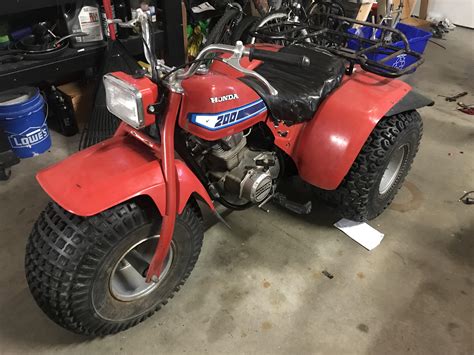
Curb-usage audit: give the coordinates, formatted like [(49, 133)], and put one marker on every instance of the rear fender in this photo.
[(411, 101), (329, 144), (112, 172)]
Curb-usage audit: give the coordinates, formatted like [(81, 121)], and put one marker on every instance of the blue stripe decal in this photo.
[(221, 120)]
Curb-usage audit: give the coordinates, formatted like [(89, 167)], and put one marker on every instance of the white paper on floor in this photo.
[(361, 232)]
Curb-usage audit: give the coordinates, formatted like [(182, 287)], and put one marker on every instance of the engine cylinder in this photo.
[(240, 171)]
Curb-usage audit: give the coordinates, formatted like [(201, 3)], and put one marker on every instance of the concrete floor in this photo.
[(258, 289)]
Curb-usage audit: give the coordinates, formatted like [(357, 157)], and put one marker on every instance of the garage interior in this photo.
[(284, 283)]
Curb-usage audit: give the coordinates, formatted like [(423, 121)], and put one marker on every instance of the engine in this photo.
[(240, 171)]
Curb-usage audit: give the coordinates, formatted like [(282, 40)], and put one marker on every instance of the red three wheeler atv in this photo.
[(124, 229)]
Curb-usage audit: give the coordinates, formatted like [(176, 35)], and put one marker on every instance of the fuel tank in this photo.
[(217, 104)]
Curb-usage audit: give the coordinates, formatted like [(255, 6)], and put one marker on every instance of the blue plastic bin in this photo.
[(417, 38), (23, 119)]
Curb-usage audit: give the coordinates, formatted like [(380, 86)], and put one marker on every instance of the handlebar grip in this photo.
[(301, 61)]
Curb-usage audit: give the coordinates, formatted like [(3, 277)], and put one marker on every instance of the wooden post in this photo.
[(364, 10), (381, 9), (408, 8), (423, 9)]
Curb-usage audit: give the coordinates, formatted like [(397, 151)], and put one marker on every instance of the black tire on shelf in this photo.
[(222, 31), (364, 193), (333, 7), (244, 28), (318, 8), (73, 264)]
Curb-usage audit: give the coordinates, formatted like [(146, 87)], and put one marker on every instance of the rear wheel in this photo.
[(88, 274), (380, 168)]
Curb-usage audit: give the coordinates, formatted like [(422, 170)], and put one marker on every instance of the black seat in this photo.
[(300, 90)]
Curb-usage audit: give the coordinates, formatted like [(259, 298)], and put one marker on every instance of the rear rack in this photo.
[(347, 38)]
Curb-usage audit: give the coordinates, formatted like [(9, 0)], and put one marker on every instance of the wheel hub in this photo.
[(393, 168), (128, 279)]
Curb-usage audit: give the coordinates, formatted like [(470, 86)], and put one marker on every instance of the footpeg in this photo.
[(299, 208)]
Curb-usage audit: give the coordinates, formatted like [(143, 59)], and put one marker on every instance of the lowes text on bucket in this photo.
[(31, 136)]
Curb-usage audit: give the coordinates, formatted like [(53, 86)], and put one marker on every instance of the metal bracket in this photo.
[(174, 82), (295, 207)]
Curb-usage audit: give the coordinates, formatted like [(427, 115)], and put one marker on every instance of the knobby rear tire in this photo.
[(358, 197), (69, 259)]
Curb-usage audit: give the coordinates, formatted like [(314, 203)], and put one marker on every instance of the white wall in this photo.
[(460, 12), (416, 10)]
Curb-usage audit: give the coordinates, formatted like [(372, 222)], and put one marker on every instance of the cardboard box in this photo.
[(82, 98), (416, 22)]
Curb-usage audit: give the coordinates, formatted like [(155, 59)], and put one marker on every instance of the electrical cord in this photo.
[(153, 48), (154, 71), (153, 68)]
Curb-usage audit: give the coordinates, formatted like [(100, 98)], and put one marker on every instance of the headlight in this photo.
[(128, 98)]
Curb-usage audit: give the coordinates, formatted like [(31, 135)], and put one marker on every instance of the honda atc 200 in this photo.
[(124, 229)]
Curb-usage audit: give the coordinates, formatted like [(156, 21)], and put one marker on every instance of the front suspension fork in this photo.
[(165, 154), (168, 165)]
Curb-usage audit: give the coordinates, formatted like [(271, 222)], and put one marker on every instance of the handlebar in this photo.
[(175, 76), (238, 51), (300, 61), (212, 48)]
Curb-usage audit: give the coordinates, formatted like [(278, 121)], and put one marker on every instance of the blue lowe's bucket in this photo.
[(24, 122)]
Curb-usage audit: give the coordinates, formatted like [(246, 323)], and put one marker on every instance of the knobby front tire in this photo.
[(75, 266)]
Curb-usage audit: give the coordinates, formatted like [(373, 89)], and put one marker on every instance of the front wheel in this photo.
[(88, 274), (380, 168)]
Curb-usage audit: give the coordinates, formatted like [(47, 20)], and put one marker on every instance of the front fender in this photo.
[(112, 172), (330, 142)]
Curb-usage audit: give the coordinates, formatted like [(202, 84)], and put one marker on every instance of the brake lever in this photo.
[(234, 62)]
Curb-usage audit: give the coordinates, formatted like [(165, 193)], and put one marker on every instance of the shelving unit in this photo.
[(169, 41), (18, 6), (30, 72)]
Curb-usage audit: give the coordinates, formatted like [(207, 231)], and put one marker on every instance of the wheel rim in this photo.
[(127, 282), (393, 168), (269, 20)]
